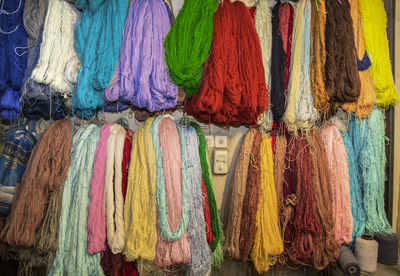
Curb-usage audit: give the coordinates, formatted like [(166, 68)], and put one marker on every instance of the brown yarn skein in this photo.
[(342, 79), (46, 170), (250, 201), (326, 250)]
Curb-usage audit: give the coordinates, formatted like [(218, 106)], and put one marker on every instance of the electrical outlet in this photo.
[(210, 140), (221, 141), (220, 164)]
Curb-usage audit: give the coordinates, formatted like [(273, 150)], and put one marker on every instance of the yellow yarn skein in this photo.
[(364, 104), (374, 23), (267, 240), (140, 203)]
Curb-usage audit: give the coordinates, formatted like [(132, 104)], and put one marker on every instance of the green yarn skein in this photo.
[(188, 43)]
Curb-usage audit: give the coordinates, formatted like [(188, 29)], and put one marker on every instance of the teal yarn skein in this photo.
[(72, 257), (98, 40)]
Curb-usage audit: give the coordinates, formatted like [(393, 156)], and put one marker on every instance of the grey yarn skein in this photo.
[(366, 251)]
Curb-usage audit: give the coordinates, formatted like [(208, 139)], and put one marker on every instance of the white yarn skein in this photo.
[(366, 252), (113, 181), (263, 24), (57, 49)]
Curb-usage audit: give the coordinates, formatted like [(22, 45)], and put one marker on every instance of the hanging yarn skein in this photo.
[(370, 143), (58, 63), (96, 221), (300, 111), (172, 192), (326, 250), (342, 82), (267, 239), (141, 75), (339, 175), (263, 23), (13, 58), (200, 262), (286, 16), (374, 23), (318, 57), (364, 104), (188, 43), (250, 201), (356, 198), (234, 202), (114, 201), (277, 66), (233, 90), (98, 38), (216, 225), (140, 211), (45, 171), (72, 257)]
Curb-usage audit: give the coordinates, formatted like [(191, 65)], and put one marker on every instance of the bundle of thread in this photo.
[(114, 201), (318, 58), (96, 221), (58, 63), (13, 58), (172, 246), (365, 102), (141, 75), (277, 66), (263, 23), (348, 262), (366, 251), (368, 140), (374, 23), (216, 225), (267, 239), (300, 112), (140, 205), (188, 43), (233, 90), (38, 100), (326, 250), (46, 169), (72, 256), (339, 175), (388, 250), (234, 204), (342, 81), (200, 262), (98, 38)]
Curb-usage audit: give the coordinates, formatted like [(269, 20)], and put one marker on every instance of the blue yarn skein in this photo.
[(72, 257), (368, 139), (98, 39), (356, 197), (13, 57)]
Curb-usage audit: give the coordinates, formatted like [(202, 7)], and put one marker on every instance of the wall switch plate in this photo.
[(220, 161), (221, 141), (210, 140)]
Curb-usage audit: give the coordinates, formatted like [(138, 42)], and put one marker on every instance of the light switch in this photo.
[(221, 141), (220, 162)]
